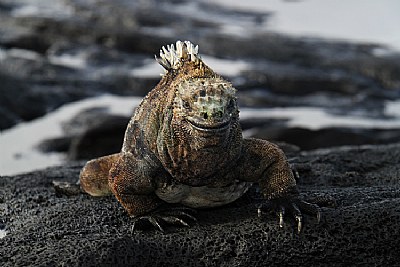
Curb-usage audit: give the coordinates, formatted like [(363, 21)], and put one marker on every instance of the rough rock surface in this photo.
[(44, 229)]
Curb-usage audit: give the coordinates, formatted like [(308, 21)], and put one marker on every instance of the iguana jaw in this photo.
[(210, 127)]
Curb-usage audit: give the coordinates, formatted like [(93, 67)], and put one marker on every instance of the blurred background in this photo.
[(310, 74)]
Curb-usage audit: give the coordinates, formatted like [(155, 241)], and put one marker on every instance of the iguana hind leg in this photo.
[(94, 175), (124, 176), (93, 178)]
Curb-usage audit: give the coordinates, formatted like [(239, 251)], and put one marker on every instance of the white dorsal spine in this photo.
[(170, 57)]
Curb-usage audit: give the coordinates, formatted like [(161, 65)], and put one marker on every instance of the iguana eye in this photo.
[(186, 104)]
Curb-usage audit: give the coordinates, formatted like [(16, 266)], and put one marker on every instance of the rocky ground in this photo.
[(46, 229), (68, 50)]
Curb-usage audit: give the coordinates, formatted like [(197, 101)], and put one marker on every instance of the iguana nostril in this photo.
[(205, 115)]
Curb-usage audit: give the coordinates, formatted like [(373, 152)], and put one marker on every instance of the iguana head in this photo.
[(204, 102), (207, 104)]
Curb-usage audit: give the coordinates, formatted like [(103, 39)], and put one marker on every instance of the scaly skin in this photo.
[(184, 145)]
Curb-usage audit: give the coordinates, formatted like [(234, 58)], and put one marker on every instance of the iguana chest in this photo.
[(202, 196)]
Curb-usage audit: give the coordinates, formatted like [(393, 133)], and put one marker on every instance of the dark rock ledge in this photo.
[(44, 229)]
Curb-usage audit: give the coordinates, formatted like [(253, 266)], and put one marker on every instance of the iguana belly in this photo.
[(202, 196)]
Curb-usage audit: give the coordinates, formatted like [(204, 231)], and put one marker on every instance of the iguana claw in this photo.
[(293, 206), (179, 216)]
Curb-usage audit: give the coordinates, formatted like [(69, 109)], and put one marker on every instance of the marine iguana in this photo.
[(184, 145)]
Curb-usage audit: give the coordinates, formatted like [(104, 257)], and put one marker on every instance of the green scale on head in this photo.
[(207, 103)]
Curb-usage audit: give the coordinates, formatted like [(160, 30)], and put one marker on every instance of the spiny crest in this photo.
[(170, 57)]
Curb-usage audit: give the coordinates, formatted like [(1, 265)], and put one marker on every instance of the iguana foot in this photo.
[(293, 206), (179, 216)]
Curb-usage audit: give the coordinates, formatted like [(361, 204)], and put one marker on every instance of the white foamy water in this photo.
[(316, 118), (42, 8), (18, 145), (353, 20), (3, 233), (223, 67)]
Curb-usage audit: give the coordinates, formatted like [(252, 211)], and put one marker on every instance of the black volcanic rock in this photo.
[(46, 229)]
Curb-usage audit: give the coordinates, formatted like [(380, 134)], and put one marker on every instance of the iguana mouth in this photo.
[(210, 127)]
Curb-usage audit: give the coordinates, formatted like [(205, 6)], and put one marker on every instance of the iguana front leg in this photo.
[(132, 181), (266, 164)]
